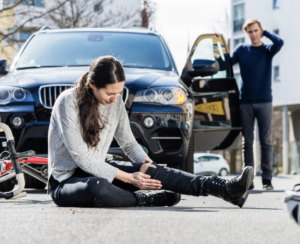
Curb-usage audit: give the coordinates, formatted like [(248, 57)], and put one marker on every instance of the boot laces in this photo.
[(226, 183), (218, 181)]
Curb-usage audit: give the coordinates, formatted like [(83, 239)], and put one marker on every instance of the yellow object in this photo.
[(211, 108), (181, 97)]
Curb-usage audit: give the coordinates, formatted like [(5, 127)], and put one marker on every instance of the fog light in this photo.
[(17, 121), (148, 122)]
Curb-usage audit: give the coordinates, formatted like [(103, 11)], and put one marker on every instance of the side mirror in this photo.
[(204, 67), (3, 67)]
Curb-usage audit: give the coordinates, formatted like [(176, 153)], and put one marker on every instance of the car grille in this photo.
[(48, 94), (39, 145), (170, 145)]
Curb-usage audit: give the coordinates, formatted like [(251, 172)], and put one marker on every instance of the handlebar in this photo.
[(26, 154), (17, 193)]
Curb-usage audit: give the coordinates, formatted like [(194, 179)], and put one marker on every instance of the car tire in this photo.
[(31, 182), (223, 172), (188, 164), (8, 185)]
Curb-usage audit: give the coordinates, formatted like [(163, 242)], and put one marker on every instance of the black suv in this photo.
[(171, 116)]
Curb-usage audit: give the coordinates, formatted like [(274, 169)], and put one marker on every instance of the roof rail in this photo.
[(152, 29), (45, 28)]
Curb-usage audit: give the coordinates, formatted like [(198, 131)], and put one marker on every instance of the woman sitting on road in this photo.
[(84, 121)]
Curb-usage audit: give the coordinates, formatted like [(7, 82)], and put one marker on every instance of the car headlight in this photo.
[(14, 94), (162, 95)]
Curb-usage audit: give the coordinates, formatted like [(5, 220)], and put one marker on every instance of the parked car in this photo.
[(172, 116), (210, 164)]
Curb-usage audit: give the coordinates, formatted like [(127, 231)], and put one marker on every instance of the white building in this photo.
[(280, 17)]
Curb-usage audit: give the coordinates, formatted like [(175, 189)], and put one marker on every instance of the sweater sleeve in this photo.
[(277, 43), (235, 55), (68, 126), (125, 138)]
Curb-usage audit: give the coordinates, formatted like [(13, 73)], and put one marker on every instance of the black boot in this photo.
[(157, 198), (233, 191)]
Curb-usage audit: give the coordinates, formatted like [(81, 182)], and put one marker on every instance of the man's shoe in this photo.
[(267, 185), (233, 191), (158, 198)]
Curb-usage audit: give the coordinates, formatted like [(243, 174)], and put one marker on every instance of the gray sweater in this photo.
[(68, 151)]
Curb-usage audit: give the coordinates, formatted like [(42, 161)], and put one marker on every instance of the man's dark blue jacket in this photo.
[(256, 69)]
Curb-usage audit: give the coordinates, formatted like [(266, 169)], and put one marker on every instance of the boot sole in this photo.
[(250, 179), (250, 176), (241, 201), (178, 199)]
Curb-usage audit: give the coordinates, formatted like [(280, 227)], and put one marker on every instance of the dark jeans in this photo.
[(263, 113), (84, 190)]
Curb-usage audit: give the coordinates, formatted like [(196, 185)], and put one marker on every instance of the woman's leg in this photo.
[(84, 190), (233, 191), (127, 167), (148, 198), (91, 192), (176, 180)]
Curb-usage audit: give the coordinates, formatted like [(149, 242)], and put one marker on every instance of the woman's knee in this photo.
[(145, 167), (97, 185)]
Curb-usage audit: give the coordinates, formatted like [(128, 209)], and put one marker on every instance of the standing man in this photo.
[(255, 63)]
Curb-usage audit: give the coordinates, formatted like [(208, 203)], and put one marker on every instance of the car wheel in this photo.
[(188, 164), (223, 172), (31, 182), (8, 185)]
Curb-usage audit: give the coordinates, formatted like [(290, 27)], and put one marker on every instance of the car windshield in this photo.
[(81, 48)]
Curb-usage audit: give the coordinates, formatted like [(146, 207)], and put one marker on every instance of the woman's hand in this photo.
[(143, 181)]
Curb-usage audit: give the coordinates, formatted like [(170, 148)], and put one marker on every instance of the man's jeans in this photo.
[(263, 113)]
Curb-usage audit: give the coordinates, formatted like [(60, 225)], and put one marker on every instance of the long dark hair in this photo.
[(103, 71)]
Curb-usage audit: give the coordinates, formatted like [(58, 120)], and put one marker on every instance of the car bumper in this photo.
[(168, 139)]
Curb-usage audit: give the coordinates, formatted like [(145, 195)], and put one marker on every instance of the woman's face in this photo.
[(109, 94)]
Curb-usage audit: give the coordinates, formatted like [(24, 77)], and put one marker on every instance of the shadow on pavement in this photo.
[(35, 191), (174, 209), (25, 202), (244, 208), (263, 191)]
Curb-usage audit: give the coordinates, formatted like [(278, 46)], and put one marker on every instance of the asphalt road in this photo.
[(36, 219)]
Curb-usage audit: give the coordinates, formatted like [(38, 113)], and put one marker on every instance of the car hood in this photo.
[(136, 79), (8, 80)]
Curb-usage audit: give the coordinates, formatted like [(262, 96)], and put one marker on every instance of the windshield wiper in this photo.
[(77, 65), (134, 66), (39, 66)]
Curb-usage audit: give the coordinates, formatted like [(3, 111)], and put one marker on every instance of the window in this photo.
[(37, 3), (276, 73), (212, 49), (211, 158), (207, 158), (238, 17), (203, 159), (81, 48), (276, 4), (276, 32), (238, 41)]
